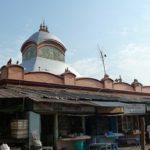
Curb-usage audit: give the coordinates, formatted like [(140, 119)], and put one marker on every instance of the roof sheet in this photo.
[(46, 94), (108, 104)]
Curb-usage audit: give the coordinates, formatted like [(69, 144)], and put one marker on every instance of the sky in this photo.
[(121, 28)]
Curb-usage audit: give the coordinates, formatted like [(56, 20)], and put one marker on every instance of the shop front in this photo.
[(108, 113), (103, 127), (62, 125), (14, 122), (117, 122), (130, 124), (147, 123)]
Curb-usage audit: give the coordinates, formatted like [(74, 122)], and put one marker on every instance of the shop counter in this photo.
[(76, 138), (73, 143), (130, 140)]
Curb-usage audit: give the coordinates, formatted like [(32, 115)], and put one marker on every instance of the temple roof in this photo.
[(41, 36)]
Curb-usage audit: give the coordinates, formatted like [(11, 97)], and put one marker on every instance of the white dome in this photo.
[(40, 62), (41, 36), (48, 65)]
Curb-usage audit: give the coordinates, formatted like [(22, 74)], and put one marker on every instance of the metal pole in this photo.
[(103, 62)]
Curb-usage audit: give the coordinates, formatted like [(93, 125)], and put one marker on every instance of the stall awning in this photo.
[(108, 107), (108, 104), (120, 107)]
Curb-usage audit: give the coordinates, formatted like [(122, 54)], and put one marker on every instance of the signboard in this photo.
[(134, 108)]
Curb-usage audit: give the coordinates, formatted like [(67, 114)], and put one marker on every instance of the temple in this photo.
[(46, 98)]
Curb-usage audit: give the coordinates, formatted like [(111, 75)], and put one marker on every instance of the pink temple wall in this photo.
[(17, 72), (88, 82), (69, 79), (146, 89), (43, 77), (108, 83), (12, 72), (122, 86)]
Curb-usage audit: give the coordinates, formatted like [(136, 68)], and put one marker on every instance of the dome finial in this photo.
[(43, 27), (46, 29), (43, 23)]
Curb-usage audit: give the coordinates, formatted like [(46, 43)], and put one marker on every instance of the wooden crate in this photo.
[(19, 129), (19, 124), (19, 134)]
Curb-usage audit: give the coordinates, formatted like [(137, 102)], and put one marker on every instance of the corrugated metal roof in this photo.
[(9, 93), (67, 95), (76, 102)]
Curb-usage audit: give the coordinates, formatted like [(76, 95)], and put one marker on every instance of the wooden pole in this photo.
[(142, 121), (83, 124), (55, 130)]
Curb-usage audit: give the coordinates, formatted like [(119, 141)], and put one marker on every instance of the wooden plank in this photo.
[(59, 107)]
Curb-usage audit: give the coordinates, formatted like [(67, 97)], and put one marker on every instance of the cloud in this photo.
[(126, 31), (131, 61), (89, 67)]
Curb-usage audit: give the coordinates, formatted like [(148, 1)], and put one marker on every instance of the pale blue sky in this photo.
[(121, 27)]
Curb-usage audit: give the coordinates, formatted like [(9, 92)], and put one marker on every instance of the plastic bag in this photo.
[(4, 147)]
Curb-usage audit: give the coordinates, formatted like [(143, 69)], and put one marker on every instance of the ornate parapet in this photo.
[(137, 86), (12, 71), (107, 82), (69, 77)]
